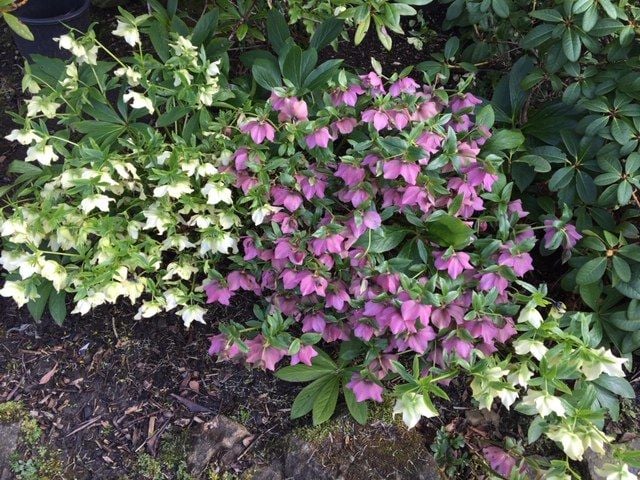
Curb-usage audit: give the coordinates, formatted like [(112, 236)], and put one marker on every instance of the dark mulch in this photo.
[(106, 388)]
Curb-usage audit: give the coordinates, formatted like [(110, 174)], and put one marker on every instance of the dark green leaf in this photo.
[(325, 402), (592, 271)]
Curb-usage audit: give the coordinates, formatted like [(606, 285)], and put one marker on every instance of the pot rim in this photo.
[(84, 6)]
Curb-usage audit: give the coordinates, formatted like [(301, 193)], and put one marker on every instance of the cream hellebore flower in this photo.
[(213, 69), (175, 190), (571, 443), (507, 397), (23, 137), (41, 153), (37, 104), (192, 313), (260, 213), (55, 273), (544, 403), (606, 362), (535, 347), (70, 81), (616, 472), (221, 244), (78, 50), (127, 31), (413, 407), (25, 263), (94, 299), (157, 219), (148, 310), (16, 290), (138, 100), (530, 315), (521, 377), (133, 77), (101, 202), (217, 192)]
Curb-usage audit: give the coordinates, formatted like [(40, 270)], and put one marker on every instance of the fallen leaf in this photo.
[(49, 375)]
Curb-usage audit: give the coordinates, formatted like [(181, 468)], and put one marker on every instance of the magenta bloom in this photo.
[(464, 101), (218, 344), (314, 323), (292, 109), (312, 186), (350, 174), (259, 131), (455, 264), (404, 85), (217, 293), (570, 235), (365, 389), (311, 283), (304, 355), (319, 138), (499, 460), (373, 81), (238, 280), (419, 341), (521, 263), (397, 168), (378, 118), (344, 126), (425, 111), (347, 97), (460, 347), (263, 355), (284, 196), (493, 280), (430, 142), (516, 207)]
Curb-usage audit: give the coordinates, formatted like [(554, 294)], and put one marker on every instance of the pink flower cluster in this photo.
[(312, 259)]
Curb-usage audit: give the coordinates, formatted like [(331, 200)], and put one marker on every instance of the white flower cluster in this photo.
[(141, 216)]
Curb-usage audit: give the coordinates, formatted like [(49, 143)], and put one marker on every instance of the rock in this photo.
[(9, 435), (220, 440), (595, 461), (346, 450), (271, 472), (107, 3)]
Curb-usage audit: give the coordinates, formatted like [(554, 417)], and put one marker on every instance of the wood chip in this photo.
[(49, 375)]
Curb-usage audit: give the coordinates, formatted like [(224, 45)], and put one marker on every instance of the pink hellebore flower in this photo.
[(403, 85), (304, 355), (365, 389), (521, 263), (284, 196), (570, 235), (311, 283), (263, 355), (259, 131), (419, 341), (218, 344), (466, 100), (312, 186), (425, 111), (430, 142), (462, 348), (499, 460), (516, 207), (314, 323), (290, 108), (238, 280), (217, 293), (493, 280), (378, 118), (344, 126), (373, 81), (455, 264), (350, 174), (397, 168), (347, 97), (319, 138)]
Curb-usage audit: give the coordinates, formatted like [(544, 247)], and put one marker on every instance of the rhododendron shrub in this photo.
[(379, 224)]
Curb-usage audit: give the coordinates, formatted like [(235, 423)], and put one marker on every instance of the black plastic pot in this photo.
[(49, 19)]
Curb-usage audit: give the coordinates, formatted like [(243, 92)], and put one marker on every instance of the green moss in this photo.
[(170, 463), (44, 464), (12, 412)]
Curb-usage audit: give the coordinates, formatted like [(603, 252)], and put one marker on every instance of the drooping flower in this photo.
[(413, 407), (304, 355), (319, 138), (263, 355), (365, 389), (499, 460), (454, 264), (138, 100), (259, 131)]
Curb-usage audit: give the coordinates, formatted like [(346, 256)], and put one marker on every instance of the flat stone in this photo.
[(270, 472), (9, 435), (345, 450), (595, 461), (220, 440)]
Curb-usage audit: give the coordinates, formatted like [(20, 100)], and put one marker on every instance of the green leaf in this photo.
[(358, 410), (561, 178), (501, 7), (172, 116), (57, 306), (302, 373), (266, 74), (303, 403), (616, 385), (205, 28), (321, 74), (624, 192), (537, 36), (449, 231), (17, 26), (621, 321), (630, 289), (277, 29), (293, 67), (325, 402), (383, 239), (621, 268), (36, 307), (586, 188), (548, 15), (326, 33), (592, 271), (571, 45), (505, 140), (361, 31)]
